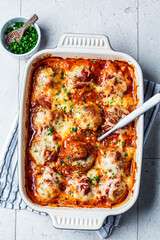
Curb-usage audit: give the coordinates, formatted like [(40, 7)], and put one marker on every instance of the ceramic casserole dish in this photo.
[(78, 46)]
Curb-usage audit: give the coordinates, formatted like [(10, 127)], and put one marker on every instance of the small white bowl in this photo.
[(3, 35)]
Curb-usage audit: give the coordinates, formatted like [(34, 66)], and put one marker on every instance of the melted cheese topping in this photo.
[(43, 147), (73, 77), (87, 116), (72, 103), (48, 184), (64, 126)]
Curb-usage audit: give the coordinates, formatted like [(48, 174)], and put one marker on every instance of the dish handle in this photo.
[(77, 219), (84, 41)]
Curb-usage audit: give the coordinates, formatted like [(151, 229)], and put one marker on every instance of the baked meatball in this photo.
[(78, 155), (87, 116), (79, 187), (43, 147), (114, 114), (113, 188), (48, 184), (41, 117), (78, 77)]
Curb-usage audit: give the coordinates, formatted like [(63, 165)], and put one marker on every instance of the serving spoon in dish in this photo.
[(18, 34), (136, 113)]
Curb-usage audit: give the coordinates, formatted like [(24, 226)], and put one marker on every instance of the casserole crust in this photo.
[(73, 102)]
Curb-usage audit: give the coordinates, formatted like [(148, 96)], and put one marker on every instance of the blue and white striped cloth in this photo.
[(9, 191)]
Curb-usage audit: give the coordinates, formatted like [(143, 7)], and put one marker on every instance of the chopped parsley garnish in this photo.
[(62, 74), (74, 129), (97, 179), (96, 146), (58, 149), (50, 131)]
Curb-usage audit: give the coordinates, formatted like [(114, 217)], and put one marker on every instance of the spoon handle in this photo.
[(31, 21), (137, 112)]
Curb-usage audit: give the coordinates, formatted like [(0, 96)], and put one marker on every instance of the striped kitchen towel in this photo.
[(9, 191)]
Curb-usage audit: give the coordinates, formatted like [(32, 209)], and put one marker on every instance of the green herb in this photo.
[(74, 129), (127, 175), (94, 62), (50, 130), (96, 146), (62, 74), (58, 147), (97, 179), (27, 42)]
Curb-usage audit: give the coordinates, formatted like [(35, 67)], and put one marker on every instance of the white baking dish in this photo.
[(86, 46)]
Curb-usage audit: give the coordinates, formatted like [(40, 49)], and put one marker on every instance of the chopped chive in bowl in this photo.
[(28, 41)]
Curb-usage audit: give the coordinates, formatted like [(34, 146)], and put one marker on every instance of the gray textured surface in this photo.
[(133, 27)]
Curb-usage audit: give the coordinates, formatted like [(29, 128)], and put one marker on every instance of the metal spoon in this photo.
[(130, 117), (18, 34)]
